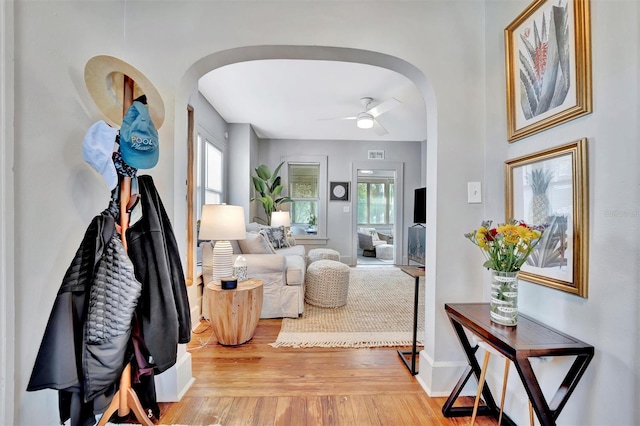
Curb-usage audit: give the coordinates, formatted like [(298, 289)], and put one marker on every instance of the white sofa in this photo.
[(281, 271)]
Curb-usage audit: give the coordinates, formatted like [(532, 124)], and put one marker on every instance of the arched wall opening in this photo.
[(325, 53)]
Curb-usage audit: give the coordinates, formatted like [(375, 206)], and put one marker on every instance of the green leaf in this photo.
[(268, 205), (263, 172), (276, 182), (277, 170), (259, 185), (277, 190), (282, 200)]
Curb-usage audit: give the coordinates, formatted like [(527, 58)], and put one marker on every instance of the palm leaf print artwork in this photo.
[(544, 62)]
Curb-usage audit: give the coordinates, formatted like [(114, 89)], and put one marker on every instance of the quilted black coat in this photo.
[(84, 346)]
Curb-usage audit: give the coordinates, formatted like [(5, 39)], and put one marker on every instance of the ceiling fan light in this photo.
[(364, 121)]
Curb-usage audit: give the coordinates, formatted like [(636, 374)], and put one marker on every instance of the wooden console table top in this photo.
[(530, 338), (414, 271)]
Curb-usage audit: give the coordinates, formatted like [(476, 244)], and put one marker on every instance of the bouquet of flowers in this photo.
[(507, 246)]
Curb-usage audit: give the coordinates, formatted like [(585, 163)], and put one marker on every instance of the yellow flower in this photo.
[(507, 246)]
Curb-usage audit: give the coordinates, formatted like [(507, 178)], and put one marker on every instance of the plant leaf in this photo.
[(259, 185), (263, 172), (277, 170), (277, 190), (275, 184)]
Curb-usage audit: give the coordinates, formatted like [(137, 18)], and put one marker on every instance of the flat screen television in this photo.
[(420, 206)]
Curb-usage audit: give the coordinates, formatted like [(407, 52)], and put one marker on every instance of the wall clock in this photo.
[(339, 191)]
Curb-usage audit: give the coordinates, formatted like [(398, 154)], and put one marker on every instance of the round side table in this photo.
[(235, 313)]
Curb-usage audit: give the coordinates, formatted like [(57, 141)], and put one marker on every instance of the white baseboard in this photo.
[(176, 381), (439, 378)]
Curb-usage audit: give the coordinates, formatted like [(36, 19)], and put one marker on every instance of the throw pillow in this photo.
[(254, 227), (255, 243), (276, 236)]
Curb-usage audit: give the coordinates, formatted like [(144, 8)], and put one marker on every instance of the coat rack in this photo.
[(125, 400), (103, 75)]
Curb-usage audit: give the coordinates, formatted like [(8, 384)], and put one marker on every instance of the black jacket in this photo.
[(163, 308), (84, 347)]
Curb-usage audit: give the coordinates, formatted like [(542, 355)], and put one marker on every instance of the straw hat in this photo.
[(104, 77)]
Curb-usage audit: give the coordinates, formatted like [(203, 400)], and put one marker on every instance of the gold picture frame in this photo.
[(548, 66), (551, 187)]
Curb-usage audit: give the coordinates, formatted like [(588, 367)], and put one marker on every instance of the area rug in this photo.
[(379, 312)]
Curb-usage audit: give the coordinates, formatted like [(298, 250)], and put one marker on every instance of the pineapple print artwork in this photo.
[(539, 180), (550, 252)]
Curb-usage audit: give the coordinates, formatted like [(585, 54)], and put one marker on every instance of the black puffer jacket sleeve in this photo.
[(62, 341)]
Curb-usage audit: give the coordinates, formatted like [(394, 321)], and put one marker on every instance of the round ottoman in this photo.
[(327, 284), (322, 253), (384, 252)]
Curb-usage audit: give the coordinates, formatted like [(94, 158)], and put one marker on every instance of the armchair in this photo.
[(368, 240)]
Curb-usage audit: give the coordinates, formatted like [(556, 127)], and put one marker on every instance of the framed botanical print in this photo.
[(551, 188), (548, 66)]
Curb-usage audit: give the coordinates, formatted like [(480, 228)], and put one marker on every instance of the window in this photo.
[(375, 201), (209, 173), (306, 184), (304, 189)]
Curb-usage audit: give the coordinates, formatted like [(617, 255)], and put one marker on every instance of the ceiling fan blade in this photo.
[(384, 107), (377, 127), (338, 118)]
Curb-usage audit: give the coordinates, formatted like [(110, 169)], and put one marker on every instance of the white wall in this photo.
[(456, 49), (609, 318), (239, 185), (53, 111), (7, 230)]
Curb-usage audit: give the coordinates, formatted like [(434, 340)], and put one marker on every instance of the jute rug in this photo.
[(379, 312)]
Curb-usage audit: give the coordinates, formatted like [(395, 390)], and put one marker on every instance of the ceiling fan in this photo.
[(367, 118)]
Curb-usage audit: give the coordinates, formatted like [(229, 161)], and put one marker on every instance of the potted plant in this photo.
[(313, 222), (269, 186)]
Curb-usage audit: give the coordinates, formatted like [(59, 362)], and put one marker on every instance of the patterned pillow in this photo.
[(276, 236)]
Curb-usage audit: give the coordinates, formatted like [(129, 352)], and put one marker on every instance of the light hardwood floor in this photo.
[(255, 384)]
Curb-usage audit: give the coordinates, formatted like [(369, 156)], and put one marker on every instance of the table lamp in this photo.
[(281, 218), (222, 223)]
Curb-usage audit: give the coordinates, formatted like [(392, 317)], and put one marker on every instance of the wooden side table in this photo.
[(235, 313)]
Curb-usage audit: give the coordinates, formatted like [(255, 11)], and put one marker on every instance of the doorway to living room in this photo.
[(377, 207)]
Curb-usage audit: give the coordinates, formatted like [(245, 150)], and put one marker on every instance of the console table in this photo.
[(416, 272), (530, 338)]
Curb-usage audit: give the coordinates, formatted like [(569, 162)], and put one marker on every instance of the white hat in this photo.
[(97, 150)]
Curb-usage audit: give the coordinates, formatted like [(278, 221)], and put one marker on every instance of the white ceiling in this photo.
[(291, 99)]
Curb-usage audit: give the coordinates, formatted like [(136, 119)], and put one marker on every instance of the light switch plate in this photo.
[(474, 192), (345, 209)]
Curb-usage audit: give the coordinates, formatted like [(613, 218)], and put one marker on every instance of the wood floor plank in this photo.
[(256, 384), (291, 411)]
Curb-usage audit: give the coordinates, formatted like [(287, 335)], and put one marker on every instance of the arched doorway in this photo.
[(320, 53)]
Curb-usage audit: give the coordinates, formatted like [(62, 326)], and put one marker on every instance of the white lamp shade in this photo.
[(222, 222), (280, 219)]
